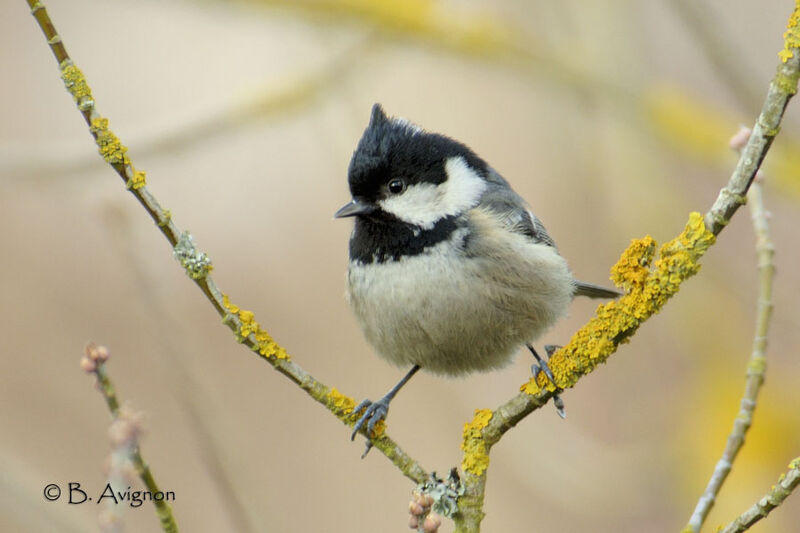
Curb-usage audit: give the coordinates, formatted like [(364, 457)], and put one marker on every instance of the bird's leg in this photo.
[(541, 366), (377, 411)]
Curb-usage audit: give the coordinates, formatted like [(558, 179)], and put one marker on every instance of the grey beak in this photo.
[(354, 208)]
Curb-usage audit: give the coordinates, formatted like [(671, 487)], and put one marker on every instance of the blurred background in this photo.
[(612, 119)]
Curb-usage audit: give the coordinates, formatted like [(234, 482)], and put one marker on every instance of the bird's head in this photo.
[(403, 173)]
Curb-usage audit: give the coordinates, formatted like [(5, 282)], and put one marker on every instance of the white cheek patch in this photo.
[(424, 204)]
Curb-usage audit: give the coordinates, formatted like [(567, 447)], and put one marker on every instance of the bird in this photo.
[(449, 270)]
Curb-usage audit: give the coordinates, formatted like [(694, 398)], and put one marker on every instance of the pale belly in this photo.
[(456, 316)]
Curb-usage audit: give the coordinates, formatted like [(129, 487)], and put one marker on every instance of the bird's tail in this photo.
[(594, 291)]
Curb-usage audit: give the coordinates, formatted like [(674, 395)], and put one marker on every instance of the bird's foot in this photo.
[(541, 366), (374, 412)]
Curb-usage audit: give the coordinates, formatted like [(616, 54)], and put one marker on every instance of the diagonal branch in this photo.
[(776, 496), (198, 265), (649, 283), (756, 367)]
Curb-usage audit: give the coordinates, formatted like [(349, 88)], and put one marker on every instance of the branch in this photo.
[(198, 265), (786, 484), (649, 282), (756, 367), (94, 363), (192, 397)]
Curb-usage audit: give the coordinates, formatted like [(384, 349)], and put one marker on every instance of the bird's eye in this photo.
[(396, 186)]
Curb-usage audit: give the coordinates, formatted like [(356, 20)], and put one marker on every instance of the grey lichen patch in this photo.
[(196, 264), (445, 493)]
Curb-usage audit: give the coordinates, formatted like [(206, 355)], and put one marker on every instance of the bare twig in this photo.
[(94, 363), (198, 265), (772, 499), (648, 290), (192, 396), (756, 367)]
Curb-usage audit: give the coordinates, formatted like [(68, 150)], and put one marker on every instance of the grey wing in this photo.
[(501, 199)]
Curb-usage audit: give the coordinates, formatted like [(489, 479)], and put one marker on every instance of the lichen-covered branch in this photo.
[(94, 363), (776, 496), (197, 264), (756, 367), (649, 280)]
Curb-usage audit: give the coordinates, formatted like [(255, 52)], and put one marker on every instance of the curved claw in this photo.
[(559, 403), (374, 413)]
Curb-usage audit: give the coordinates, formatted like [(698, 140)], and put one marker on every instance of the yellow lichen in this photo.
[(791, 38), (137, 181), (264, 343), (268, 347), (632, 269), (249, 324), (110, 147), (648, 290), (339, 403), (379, 429), (476, 457), (230, 306), (75, 81)]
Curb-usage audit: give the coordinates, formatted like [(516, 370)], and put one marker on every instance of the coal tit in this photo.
[(449, 269)]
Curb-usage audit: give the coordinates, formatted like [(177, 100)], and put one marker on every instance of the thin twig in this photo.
[(756, 366), (772, 499), (192, 396), (197, 265), (94, 363), (648, 290)]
